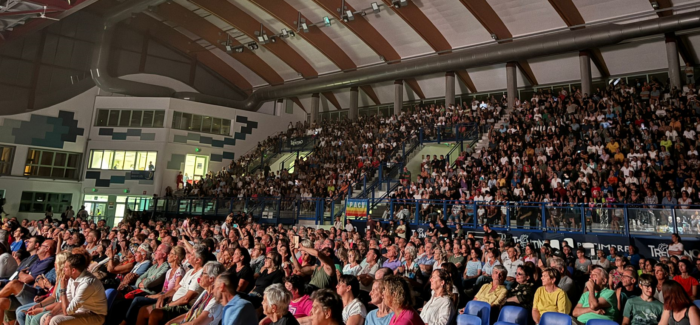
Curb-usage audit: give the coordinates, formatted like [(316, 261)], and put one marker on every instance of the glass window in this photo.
[(102, 117), (136, 118), (158, 119), (6, 155), (130, 118), (40, 202), (113, 118), (200, 123), (122, 160), (147, 118)]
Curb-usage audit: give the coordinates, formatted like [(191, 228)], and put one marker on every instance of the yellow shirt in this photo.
[(619, 157), (496, 298), (556, 301), (612, 146)]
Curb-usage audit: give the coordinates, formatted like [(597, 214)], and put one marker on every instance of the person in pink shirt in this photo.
[(397, 295), (301, 304)]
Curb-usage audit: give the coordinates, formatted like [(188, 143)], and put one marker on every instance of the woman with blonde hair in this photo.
[(51, 304), (397, 296), (352, 266)]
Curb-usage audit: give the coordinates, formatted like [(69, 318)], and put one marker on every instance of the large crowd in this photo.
[(237, 271)]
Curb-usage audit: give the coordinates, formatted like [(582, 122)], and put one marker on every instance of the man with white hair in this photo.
[(276, 306)]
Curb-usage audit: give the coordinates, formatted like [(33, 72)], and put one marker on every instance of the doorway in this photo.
[(195, 167)]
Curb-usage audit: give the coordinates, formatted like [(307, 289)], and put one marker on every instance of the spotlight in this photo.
[(292, 33), (273, 39), (228, 48), (326, 21), (349, 16), (494, 36), (400, 3), (655, 5), (304, 27), (285, 33), (253, 46), (375, 7), (238, 49)]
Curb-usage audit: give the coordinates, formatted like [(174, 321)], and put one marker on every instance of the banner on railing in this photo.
[(356, 207)]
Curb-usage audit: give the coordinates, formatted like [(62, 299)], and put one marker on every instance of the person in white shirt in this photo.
[(83, 299), (511, 264), (439, 310), (354, 311), (205, 310)]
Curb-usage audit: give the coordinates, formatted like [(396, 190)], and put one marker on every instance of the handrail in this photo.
[(621, 219)]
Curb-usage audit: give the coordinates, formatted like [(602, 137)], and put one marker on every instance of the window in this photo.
[(52, 164), (130, 118), (6, 155), (40, 202), (201, 123), (122, 160)]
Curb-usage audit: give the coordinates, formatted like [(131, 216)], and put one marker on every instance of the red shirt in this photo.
[(686, 283)]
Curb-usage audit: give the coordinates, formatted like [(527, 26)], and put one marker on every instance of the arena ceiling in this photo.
[(221, 33)]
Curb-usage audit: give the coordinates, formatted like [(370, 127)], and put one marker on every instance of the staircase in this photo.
[(483, 143)]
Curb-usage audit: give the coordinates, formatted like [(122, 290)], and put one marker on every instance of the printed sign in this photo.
[(356, 207), (142, 174)]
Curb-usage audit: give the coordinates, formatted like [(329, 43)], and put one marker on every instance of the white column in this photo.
[(511, 83), (354, 110), (584, 58), (674, 67), (449, 88), (314, 108), (398, 96)]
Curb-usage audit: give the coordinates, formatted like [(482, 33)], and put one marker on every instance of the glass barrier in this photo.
[(525, 216), (687, 221)]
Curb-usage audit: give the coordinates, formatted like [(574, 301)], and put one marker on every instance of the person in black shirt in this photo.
[(489, 233), (444, 230)]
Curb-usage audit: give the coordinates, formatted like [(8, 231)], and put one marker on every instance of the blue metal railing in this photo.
[(605, 219)]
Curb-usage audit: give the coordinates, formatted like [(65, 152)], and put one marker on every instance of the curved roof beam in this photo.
[(369, 91), (170, 36), (572, 17), (245, 23), (488, 18), (201, 27), (331, 98), (413, 83), (287, 15), (364, 30)]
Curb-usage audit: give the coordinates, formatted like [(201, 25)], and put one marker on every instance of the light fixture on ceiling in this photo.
[(399, 3), (326, 21), (375, 8), (252, 46), (273, 39), (301, 24), (494, 36), (239, 49), (228, 43), (284, 33), (349, 16), (262, 36), (655, 5)]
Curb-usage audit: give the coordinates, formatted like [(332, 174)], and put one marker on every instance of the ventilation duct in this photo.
[(519, 49), (100, 60)]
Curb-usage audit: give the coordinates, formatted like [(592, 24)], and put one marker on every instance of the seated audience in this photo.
[(598, 302), (549, 297), (643, 309)]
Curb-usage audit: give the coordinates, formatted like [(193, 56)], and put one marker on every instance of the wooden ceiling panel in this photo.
[(364, 30), (194, 23), (422, 25), (170, 36), (245, 23)]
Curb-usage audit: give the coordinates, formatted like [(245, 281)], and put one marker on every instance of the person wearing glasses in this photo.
[(644, 309), (82, 295)]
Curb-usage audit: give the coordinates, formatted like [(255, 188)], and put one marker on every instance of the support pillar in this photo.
[(314, 107), (398, 96), (584, 58), (674, 67), (279, 107), (354, 110), (449, 88), (511, 83)]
